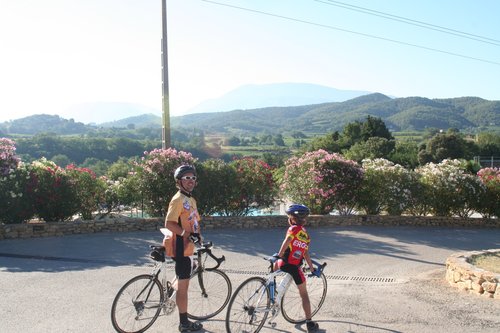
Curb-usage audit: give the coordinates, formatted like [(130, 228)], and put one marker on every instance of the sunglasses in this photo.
[(188, 177)]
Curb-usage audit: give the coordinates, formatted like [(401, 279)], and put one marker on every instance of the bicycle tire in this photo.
[(241, 313), (130, 313), (210, 301), (291, 304)]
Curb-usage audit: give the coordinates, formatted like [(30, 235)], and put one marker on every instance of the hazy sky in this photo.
[(57, 54)]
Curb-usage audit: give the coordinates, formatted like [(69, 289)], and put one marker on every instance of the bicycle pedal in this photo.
[(273, 324)]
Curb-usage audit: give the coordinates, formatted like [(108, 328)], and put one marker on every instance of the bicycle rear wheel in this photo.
[(137, 304), (248, 309), (291, 304), (208, 293)]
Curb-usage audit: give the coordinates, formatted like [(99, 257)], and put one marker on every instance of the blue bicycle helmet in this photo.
[(183, 169), (297, 210)]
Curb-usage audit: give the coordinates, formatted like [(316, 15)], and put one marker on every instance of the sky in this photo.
[(57, 55)]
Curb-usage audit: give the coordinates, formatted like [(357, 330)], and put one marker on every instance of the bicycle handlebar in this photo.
[(202, 248), (272, 259), (206, 248)]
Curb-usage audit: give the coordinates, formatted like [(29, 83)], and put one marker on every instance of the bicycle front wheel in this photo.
[(291, 304), (248, 309), (209, 292), (137, 304)]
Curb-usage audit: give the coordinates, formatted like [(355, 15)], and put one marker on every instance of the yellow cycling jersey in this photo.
[(182, 209)]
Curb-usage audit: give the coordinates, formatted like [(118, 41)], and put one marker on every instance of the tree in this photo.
[(373, 147), (278, 140), (351, 134), (232, 141), (449, 146), (488, 144), (61, 160), (329, 142), (375, 127), (119, 169), (405, 153)]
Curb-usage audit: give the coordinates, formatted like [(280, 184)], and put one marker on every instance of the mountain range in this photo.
[(399, 114), (255, 96)]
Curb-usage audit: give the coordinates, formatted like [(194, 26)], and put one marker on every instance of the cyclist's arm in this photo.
[(307, 257), (175, 228), (284, 246)]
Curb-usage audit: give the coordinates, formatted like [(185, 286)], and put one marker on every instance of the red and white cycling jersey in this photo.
[(298, 246)]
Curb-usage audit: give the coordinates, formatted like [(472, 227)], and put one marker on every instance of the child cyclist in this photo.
[(293, 250)]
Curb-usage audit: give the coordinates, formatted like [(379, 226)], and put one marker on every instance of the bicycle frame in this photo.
[(169, 286), (276, 293), (140, 300)]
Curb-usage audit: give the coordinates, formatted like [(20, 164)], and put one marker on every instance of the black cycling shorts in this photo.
[(293, 270), (183, 267)]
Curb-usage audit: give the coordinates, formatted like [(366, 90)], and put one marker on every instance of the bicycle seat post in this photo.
[(283, 286)]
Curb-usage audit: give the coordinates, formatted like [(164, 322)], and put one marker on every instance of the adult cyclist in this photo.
[(183, 221), (293, 250)]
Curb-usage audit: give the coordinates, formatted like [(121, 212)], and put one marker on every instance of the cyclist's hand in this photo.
[(195, 238), (316, 272)]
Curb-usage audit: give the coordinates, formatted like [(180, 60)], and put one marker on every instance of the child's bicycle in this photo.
[(140, 301), (256, 297)]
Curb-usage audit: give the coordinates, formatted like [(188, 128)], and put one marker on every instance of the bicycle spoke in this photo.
[(137, 305), (209, 295), (291, 304), (249, 307)]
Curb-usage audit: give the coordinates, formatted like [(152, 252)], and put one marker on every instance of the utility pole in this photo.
[(165, 142)]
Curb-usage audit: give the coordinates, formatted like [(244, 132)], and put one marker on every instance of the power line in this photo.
[(409, 21), (355, 33)]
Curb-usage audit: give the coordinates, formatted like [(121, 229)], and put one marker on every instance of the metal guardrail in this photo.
[(488, 161)]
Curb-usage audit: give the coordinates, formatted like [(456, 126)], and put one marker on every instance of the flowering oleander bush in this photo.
[(8, 158), (254, 187), (451, 190), (89, 190), (53, 191), (15, 205), (155, 173), (386, 187), (490, 203), (217, 184), (322, 181)]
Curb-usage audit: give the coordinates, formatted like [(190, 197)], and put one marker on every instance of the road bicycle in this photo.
[(257, 296), (140, 301)]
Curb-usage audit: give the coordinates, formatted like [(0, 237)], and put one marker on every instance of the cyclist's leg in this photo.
[(183, 271), (291, 305), (306, 304)]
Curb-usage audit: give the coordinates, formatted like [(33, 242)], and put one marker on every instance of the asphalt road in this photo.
[(380, 279)]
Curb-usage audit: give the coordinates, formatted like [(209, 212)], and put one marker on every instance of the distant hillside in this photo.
[(104, 112), (399, 114), (253, 96), (43, 123), (146, 120)]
